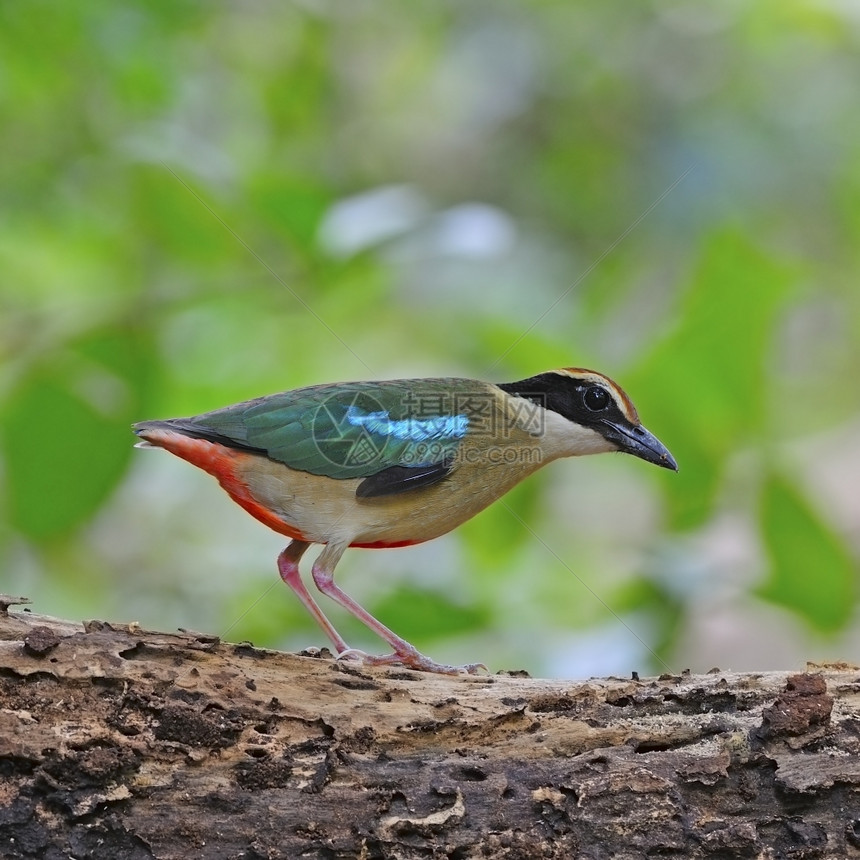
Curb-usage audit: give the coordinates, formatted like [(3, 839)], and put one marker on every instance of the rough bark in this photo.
[(117, 742)]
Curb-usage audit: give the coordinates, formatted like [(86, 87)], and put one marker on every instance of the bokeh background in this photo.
[(201, 203)]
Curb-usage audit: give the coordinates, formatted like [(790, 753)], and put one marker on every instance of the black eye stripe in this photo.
[(584, 400)]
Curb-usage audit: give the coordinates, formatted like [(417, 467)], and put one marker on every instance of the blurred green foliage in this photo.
[(717, 357), (204, 203), (812, 572)]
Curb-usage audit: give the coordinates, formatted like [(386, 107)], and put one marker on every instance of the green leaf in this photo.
[(419, 614), (703, 389), (292, 204), (264, 611), (812, 572), (494, 535), (643, 594), (64, 433)]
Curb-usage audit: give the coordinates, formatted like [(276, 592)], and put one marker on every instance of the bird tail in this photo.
[(143, 427)]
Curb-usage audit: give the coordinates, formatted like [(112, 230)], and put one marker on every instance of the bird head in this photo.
[(586, 412)]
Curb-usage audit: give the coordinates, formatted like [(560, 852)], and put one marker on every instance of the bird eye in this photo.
[(595, 398)]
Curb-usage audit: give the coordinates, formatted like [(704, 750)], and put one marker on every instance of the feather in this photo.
[(400, 479)]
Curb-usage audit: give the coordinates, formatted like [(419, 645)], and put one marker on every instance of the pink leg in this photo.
[(288, 567), (408, 655)]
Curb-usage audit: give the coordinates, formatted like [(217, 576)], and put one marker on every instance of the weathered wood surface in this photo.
[(122, 743)]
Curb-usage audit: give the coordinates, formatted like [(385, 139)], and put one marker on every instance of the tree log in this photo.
[(122, 743)]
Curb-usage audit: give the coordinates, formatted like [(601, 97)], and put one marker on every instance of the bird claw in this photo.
[(411, 660), (352, 654)]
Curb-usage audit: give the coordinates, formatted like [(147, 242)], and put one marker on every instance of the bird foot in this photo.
[(411, 659)]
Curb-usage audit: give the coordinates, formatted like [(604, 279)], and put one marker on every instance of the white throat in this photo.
[(564, 438)]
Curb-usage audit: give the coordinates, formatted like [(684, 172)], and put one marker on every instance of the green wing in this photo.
[(413, 428)]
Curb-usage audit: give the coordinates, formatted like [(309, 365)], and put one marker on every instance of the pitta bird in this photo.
[(394, 463)]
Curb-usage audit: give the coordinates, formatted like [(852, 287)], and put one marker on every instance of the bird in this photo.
[(393, 463)]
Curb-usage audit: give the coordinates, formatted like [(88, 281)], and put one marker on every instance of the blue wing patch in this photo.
[(409, 429)]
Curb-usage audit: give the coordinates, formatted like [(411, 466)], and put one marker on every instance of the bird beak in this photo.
[(639, 442)]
